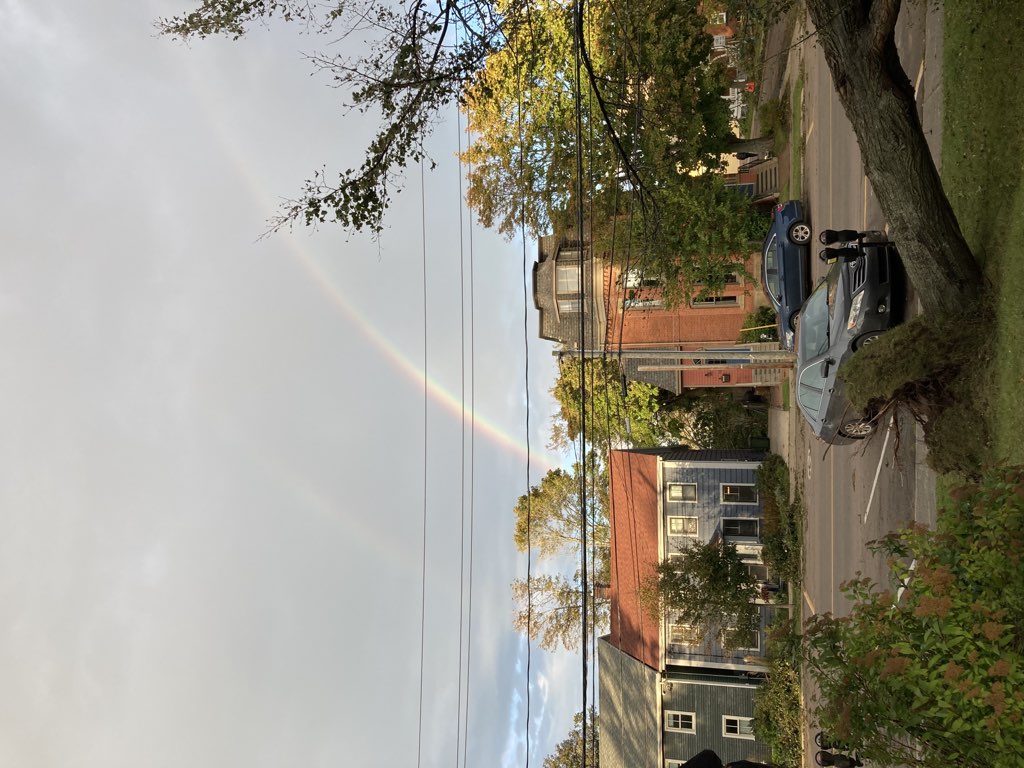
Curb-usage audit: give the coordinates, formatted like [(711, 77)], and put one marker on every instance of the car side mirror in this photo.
[(827, 363)]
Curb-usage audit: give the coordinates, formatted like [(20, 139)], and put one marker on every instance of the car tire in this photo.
[(799, 233), (794, 320), (866, 339), (857, 429)]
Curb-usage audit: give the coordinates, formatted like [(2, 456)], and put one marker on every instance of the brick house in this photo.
[(622, 311)]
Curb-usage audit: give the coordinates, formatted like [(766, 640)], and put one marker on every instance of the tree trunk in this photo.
[(858, 40), (757, 146)]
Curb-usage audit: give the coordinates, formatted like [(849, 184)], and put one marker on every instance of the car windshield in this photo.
[(813, 329), (815, 317)]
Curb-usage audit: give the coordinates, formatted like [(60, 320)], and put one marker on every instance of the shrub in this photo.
[(777, 708), (938, 368), (783, 519), (759, 317), (933, 674)]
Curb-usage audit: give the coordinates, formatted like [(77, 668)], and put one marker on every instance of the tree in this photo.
[(569, 752), (858, 40), (550, 609), (715, 420), (650, 107), (418, 63), (709, 588), (552, 509), (618, 413)]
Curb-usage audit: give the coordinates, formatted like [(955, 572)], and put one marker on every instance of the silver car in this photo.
[(859, 299)]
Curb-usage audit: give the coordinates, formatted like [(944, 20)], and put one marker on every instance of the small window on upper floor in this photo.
[(739, 493), (718, 18), (682, 526), (569, 305), (739, 528), (683, 492)]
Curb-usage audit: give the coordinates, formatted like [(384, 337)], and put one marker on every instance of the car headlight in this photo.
[(854, 318), (788, 339)]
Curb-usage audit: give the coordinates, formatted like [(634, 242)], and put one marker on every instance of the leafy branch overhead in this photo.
[(650, 110)]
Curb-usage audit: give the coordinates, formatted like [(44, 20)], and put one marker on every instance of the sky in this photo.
[(213, 461)]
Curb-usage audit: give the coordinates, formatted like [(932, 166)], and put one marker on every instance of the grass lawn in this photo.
[(983, 172)]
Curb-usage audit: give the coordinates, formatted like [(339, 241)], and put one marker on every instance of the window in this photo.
[(682, 526), (568, 305), (741, 641), (718, 18), (651, 302), (718, 43), (684, 722), (737, 727), (739, 528), (716, 301), (682, 492), (567, 277), (684, 634), (635, 278), (739, 493), (670, 763)]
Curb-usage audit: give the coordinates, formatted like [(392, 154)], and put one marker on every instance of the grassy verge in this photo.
[(796, 138), (983, 140)]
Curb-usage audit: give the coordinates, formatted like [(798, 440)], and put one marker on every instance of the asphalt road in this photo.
[(856, 494)]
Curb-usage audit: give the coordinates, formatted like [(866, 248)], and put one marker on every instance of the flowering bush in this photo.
[(932, 674)]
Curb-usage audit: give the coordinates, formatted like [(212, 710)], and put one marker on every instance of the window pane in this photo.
[(568, 278), (682, 526), (682, 492), (568, 305), (739, 494), (734, 527)]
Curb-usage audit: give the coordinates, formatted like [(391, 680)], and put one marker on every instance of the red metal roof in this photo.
[(633, 493)]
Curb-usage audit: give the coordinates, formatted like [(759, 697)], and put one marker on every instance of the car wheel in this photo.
[(800, 233), (866, 340), (857, 429), (794, 321)]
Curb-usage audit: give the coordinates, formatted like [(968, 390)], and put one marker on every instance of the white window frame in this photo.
[(740, 722), (688, 634), (569, 305), (682, 716), (567, 278), (755, 647), (721, 17), (672, 518), (740, 537), (682, 498), (717, 301), (723, 486)]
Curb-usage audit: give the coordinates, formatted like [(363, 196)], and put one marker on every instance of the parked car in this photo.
[(857, 301), (785, 273)]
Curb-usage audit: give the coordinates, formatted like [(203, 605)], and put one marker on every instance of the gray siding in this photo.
[(717, 468), (630, 725), (710, 698)]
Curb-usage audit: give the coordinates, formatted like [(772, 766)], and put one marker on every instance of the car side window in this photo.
[(811, 388), (771, 268)]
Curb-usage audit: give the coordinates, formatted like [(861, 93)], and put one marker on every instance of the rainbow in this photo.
[(451, 402), (454, 404)]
